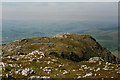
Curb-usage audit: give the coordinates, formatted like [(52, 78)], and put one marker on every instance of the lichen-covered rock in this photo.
[(88, 74), (48, 69), (65, 72), (95, 59), (27, 71), (45, 77), (34, 77), (63, 35)]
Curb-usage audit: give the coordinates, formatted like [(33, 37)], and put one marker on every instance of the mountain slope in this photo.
[(65, 55), (64, 45)]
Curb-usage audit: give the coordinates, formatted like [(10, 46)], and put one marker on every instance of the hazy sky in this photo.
[(63, 11)]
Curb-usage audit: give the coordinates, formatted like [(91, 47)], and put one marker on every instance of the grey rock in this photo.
[(34, 77), (95, 59), (27, 71)]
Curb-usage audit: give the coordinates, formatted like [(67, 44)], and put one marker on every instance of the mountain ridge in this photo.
[(82, 45)]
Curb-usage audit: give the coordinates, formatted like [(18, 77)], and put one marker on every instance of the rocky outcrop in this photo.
[(25, 71), (95, 59)]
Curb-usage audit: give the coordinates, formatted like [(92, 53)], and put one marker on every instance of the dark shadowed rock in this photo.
[(54, 53), (74, 57), (20, 53)]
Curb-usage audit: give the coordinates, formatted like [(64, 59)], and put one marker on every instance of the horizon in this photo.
[(60, 11)]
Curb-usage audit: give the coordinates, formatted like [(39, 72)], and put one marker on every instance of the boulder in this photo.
[(95, 59), (47, 69), (27, 71), (34, 77), (20, 53)]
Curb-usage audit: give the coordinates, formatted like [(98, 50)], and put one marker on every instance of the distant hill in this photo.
[(106, 36)]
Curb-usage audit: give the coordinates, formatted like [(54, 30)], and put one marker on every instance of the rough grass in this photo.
[(68, 66)]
